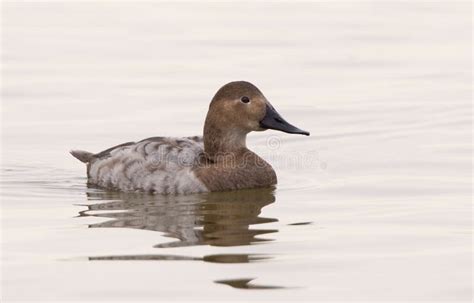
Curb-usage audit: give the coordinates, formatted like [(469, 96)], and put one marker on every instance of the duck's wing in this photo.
[(158, 164), (152, 145), (170, 143)]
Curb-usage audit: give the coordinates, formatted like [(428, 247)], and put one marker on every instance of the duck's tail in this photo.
[(82, 156)]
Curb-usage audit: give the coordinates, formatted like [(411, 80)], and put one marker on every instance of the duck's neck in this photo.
[(222, 143)]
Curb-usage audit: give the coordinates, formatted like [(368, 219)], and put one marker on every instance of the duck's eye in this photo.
[(245, 99)]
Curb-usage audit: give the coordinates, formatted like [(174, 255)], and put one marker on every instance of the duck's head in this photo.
[(241, 107), (238, 108)]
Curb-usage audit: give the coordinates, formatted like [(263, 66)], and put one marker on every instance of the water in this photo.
[(375, 205)]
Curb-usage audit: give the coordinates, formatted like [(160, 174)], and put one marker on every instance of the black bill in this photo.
[(273, 120)]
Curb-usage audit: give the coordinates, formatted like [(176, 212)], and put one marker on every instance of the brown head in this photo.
[(238, 108)]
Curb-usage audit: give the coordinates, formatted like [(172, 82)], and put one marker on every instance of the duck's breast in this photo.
[(159, 165)]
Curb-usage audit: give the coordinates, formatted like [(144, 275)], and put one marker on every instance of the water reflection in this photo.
[(222, 258), (215, 219), (245, 284)]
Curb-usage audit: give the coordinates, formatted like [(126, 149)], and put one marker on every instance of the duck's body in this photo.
[(218, 161), (174, 166)]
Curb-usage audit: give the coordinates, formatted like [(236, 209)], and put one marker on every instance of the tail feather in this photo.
[(82, 156)]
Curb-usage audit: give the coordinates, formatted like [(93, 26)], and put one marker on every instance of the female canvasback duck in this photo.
[(217, 161)]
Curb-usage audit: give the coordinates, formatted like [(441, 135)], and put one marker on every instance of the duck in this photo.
[(219, 160)]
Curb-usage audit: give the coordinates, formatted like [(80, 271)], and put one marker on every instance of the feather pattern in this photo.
[(159, 165)]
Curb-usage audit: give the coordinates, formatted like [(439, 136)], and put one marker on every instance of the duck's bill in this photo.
[(273, 120)]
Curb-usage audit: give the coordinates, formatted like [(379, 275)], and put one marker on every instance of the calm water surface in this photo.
[(375, 205)]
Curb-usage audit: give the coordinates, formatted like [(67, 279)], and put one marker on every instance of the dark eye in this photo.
[(245, 99)]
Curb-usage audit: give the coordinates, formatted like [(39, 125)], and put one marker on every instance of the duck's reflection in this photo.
[(245, 284), (216, 219), (223, 258)]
